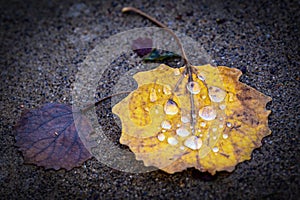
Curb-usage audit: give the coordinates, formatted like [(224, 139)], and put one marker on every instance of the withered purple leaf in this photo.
[(142, 46), (47, 137)]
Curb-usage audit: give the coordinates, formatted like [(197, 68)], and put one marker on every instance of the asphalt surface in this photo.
[(43, 44)]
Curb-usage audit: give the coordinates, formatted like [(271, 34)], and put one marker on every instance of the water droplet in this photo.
[(202, 124), (194, 116), (215, 149), (216, 94), (171, 107), (200, 135), (172, 141), (203, 96), (166, 125), (215, 137), (222, 106), (225, 136), (161, 137), (193, 87), (153, 95), (221, 126), (182, 147), (201, 77), (228, 124), (185, 119), (146, 109), (199, 130), (214, 129), (182, 132), (176, 72), (193, 142), (163, 130), (167, 90), (178, 125), (208, 113)]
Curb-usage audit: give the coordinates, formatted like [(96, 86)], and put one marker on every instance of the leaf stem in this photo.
[(132, 9), (188, 70), (90, 106)]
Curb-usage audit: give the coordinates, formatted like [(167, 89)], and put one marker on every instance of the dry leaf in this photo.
[(209, 121), (48, 137), (142, 46)]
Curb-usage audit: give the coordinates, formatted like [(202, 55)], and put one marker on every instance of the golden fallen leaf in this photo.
[(204, 118)]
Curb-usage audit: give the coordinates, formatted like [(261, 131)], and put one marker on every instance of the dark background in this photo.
[(44, 42)]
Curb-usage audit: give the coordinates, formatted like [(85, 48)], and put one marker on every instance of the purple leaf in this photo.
[(48, 137), (142, 46)]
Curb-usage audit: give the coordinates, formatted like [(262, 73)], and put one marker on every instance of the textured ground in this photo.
[(44, 42)]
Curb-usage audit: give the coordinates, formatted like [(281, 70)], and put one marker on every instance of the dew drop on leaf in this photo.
[(171, 107), (166, 125), (185, 119), (172, 141), (208, 113), (193, 142), (215, 149), (216, 94), (161, 137), (193, 87), (183, 132), (225, 136), (202, 124), (228, 124)]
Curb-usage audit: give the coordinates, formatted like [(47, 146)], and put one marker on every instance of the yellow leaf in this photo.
[(206, 119)]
